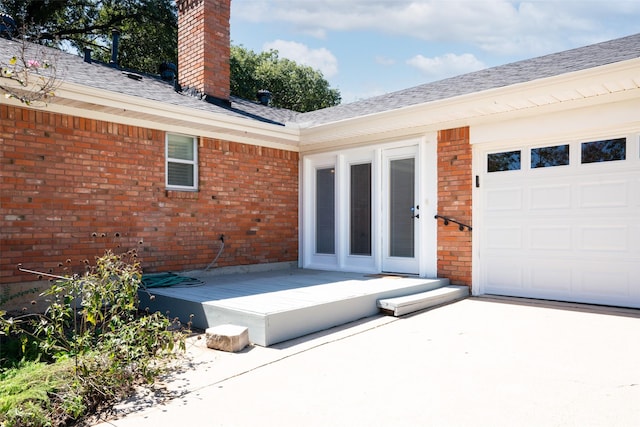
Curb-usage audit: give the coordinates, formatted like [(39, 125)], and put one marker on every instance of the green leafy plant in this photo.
[(25, 393), (95, 334)]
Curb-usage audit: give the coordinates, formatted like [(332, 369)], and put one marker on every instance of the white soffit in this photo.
[(124, 109), (594, 121)]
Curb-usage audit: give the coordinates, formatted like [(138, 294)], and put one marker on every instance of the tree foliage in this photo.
[(148, 31), (293, 86), (148, 27)]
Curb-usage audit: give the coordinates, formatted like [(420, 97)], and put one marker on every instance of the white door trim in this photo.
[(408, 265), (428, 196), (426, 176)]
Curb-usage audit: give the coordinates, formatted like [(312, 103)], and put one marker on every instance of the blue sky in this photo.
[(370, 47)]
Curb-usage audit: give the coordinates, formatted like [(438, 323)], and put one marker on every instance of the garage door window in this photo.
[(604, 151), (546, 157), (505, 161)]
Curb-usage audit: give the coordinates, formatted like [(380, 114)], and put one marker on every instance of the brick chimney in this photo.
[(204, 47)]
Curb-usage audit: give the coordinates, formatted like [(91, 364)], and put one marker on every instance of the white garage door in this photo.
[(562, 221)]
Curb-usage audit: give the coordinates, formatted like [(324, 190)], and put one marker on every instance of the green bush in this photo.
[(91, 346)]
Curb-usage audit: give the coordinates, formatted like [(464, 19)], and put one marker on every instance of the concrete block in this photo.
[(231, 338)]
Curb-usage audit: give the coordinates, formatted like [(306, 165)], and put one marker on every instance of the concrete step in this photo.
[(399, 306)]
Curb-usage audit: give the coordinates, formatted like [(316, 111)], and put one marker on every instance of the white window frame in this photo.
[(193, 162), (312, 259)]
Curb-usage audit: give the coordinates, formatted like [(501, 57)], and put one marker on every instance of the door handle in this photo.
[(413, 212)]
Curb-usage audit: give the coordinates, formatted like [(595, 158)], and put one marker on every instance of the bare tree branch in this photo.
[(29, 74)]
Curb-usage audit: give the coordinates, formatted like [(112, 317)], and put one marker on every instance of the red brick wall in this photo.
[(454, 201), (204, 46), (70, 188)]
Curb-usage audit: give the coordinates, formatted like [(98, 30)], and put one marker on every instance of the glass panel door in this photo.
[(401, 197), (400, 211)]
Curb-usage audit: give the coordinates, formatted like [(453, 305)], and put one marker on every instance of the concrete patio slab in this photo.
[(281, 305), (477, 362)]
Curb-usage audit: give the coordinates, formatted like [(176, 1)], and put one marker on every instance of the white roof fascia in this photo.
[(571, 90), (83, 101)]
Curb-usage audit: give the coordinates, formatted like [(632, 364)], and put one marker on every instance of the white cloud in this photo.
[(446, 65), (317, 33), (320, 59), (383, 60), (505, 27)]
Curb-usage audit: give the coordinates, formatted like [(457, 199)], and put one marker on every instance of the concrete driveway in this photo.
[(477, 362)]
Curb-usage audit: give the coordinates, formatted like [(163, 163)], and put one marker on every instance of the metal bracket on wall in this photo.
[(447, 220)]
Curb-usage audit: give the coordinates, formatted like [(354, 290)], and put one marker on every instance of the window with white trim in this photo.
[(181, 162)]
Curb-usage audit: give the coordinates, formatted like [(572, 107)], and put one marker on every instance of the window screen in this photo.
[(401, 202), (360, 221), (182, 166), (325, 211)]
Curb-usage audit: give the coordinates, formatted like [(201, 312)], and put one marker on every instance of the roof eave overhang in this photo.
[(87, 102), (579, 89)]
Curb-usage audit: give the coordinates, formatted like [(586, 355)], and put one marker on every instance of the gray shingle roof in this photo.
[(102, 76), (73, 69), (505, 75)]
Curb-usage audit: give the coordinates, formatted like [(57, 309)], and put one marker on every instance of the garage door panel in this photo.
[(634, 238), (550, 197), (551, 278), (504, 199), (568, 233), (505, 274), (604, 282), (604, 238), (556, 238), (604, 194), (504, 237)]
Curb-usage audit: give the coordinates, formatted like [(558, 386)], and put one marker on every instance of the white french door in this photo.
[(371, 209), (400, 210)]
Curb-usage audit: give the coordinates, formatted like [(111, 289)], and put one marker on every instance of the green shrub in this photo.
[(91, 346), (26, 393)]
